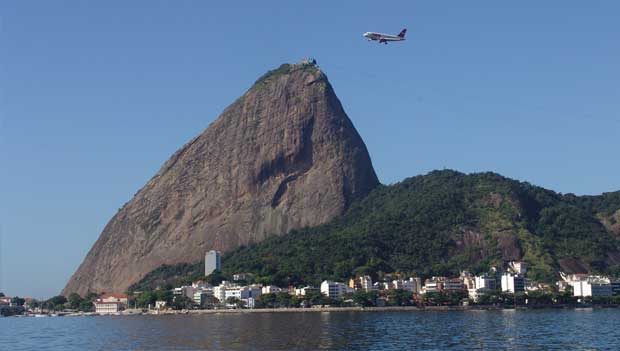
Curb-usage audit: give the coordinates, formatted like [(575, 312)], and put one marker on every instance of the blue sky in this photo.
[(95, 96)]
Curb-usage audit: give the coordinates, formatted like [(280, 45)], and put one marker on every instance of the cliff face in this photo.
[(283, 156)]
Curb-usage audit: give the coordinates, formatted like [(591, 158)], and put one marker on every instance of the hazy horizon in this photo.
[(97, 96)]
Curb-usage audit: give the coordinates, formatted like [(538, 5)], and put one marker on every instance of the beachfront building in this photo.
[(213, 262), (243, 292), (513, 283), (186, 290), (200, 296), (483, 285), (592, 288), (111, 303), (485, 282), (334, 289)]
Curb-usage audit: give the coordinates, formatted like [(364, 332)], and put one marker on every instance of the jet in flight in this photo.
[(384, 38)]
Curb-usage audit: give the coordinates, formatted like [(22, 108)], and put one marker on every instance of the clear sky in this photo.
[(95, 96)]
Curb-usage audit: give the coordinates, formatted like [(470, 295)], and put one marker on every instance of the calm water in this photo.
[(471, 330)]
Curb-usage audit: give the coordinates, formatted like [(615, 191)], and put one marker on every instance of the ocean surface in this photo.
[(579, 329)]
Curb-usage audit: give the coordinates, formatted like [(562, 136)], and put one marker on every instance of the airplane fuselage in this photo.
[(384, 38)]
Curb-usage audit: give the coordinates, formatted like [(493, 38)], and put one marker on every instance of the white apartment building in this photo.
[(485, 282), (219, 292), (107, 307), (513, 283), (365, 283), (243, 292), (592, 288), (334, 289), (305, 290), (213, 261)]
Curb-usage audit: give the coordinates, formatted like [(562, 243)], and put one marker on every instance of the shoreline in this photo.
[(134, 312)]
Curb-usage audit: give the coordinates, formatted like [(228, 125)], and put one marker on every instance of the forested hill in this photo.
[(439, 224)]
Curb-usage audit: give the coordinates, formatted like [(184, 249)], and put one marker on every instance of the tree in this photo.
[(209, 302), (182, 302), (365, 299), (86, 306), (145, 299), (18, 301), (399, 297), (215, 278), (266, 301), (1, 294), (164, 295), (74, 301), (56, 303)]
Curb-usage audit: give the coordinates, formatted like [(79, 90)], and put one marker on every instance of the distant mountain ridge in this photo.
[(439, 224), (283, 156)]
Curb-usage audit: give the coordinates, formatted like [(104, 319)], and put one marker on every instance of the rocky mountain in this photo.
[(283, 156)]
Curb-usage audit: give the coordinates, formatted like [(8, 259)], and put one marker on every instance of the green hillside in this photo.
[(439, 224)]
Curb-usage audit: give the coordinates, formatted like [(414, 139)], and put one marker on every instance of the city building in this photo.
[(201, 296), (243, 292), (513, 283), (517, 267), (271, 289), (219, 292), (615, 287), (485, 282), (435, 284), (592, 288), (334, 289), (120, 298), (186, 290), (454, 284), (213, 262), (110, 303), (361, 283), (305, 290)]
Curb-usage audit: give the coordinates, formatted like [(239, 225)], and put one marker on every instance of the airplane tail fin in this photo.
[(402, 33)]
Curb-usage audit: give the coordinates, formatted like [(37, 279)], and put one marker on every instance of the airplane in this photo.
[(384, 38)]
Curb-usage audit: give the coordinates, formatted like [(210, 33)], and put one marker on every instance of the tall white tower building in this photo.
[(213, 262)]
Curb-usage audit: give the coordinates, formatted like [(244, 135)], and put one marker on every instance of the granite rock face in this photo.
[(283, 156)]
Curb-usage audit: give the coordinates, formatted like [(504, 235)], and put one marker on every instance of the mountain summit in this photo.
[(283, 156)]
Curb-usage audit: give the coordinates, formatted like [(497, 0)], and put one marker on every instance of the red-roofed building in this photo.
[(111, 303)]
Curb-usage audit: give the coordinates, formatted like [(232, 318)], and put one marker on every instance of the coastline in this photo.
[(138, 312), (375, 309)]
